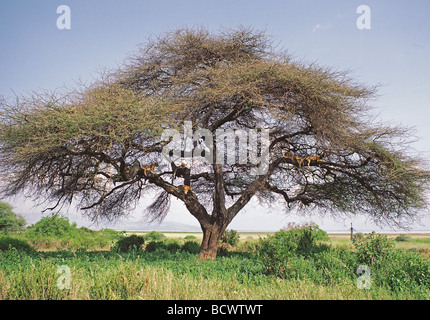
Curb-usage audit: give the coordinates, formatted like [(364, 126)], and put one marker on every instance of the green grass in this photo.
[(107, 275), (419, 242), (163, 275)]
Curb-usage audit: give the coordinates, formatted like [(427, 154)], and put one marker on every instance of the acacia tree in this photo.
[(99, 145)]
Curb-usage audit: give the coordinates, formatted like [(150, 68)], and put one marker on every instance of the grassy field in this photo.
[(420, 242), (199, 235), (106, 274)]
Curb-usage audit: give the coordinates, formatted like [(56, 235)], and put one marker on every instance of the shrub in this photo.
[(55, 232), (403, 238), (53, 226), (154, 245), (168, 245), (248, 246), (315, 231), (335, 265), (7, 243), (275, 250), (357, 236), (190, 237), (278, 250), (323, 265), (154, 235), (230, 237), (402, 270), (130, 243), (9, 221), (85, 231), (191, 247), (396, 268), (373, 247), (172, 245)]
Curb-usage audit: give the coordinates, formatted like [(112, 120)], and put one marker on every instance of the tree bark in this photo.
[(211, 236)]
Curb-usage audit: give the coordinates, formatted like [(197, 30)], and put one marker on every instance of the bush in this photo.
[(154, 245), (335, 265), (7, 243), (373, 247), (154, 235), (281, 256), (278, 250), (56, 232), (168, 245), (274, 251), (357, 236), (130, 243), (191, 247), (108, 232), (54, 226), (230, 237), (402, 270), (172, 245), (190, 237), (397, 269), (403, 238), (9, 221), (85, 231), (315, 231)]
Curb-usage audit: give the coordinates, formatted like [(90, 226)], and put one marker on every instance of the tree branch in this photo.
[(190, 199)]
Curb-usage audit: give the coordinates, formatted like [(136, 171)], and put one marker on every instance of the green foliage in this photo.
[(294, 255), (395, 268), (282, 248), (403, 238), (357, 236), (230, 237), (130, 243), (191, 247), (154, 245), (325, 267), (326, 273), (402, 270), (56, 232), (190, 237), (172, 245), (154, 235), (168, 245), (7, 243), (9, 221), (309, 230), (53, 226), (373, 247)]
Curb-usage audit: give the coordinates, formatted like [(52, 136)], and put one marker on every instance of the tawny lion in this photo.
[(149, 167), (297, 159), (185, 189), (180, 168), (313, 158)]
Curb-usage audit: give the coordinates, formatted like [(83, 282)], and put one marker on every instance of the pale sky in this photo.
[(395, 51)]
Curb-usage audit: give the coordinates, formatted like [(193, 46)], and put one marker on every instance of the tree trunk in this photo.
[(211, 236)]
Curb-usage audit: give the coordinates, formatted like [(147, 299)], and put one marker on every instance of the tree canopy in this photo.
[(103, 145)]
